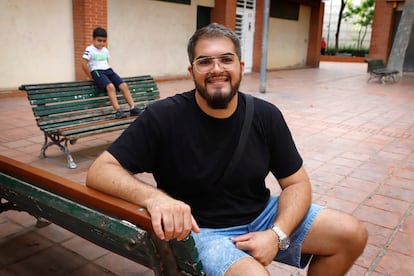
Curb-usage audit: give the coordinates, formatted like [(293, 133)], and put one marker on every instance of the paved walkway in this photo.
[(357, 140)]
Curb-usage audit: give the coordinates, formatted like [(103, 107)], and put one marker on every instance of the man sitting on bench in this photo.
[(187, 142)]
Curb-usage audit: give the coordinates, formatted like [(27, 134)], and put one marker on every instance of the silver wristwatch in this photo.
[(284, 239)]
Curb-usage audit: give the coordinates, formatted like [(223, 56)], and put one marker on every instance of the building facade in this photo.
[(43, 40)]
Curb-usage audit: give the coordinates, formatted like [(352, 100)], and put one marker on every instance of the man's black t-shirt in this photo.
[(188, 151)]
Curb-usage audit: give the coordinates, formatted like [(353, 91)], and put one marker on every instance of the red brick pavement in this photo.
[(357, 140)]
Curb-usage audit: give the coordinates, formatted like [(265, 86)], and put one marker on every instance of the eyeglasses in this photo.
[(206, 64)]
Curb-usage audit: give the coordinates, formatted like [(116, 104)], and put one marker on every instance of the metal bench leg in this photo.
[(57, 140), (71, 162), (8, 205), (44, 147), (42, 222)]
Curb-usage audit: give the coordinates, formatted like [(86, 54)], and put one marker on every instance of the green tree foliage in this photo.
[(362, 16)]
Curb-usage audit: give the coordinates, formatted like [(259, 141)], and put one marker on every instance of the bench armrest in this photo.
[(67, 188)]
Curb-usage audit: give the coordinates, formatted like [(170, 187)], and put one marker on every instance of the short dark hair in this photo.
[(99, 32), (213, 30)]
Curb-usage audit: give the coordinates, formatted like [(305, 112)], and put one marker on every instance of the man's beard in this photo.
[(218, 100)]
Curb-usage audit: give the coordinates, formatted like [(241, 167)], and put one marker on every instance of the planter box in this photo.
[(342, 58)]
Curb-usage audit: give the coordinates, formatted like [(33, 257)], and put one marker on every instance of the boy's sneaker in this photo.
[(135, 111), (120, 114)]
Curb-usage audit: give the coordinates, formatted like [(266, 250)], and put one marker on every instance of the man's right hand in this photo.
[(171, 218)]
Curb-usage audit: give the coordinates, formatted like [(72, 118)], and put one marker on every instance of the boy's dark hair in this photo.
[(99, 32)]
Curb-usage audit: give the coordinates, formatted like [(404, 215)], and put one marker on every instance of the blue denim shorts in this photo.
[(218, 252)]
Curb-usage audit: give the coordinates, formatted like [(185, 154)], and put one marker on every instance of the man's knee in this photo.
[(356, 235), (339, 230)]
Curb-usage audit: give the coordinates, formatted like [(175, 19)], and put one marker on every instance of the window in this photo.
[(284, 9), (203, 16)]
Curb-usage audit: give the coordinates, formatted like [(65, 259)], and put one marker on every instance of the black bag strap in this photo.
[(248, 117)]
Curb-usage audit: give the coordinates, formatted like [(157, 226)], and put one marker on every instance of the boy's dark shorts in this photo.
[(104, 77)]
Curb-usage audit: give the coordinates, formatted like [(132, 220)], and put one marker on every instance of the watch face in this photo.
[(284, 244), (284, 240)]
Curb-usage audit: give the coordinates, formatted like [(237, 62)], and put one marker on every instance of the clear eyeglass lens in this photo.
[(206, 64)]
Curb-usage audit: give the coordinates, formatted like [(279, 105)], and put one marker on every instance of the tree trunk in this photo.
[(402, 38), (338, 26)]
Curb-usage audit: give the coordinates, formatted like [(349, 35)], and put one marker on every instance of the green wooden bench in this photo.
[(109, 222), (377, 69), (67, 111)]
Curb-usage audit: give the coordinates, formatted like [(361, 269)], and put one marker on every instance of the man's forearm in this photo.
[(108, 177), (294, 202)]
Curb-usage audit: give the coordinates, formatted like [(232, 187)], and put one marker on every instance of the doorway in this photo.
[(203, 16), (245, 20)]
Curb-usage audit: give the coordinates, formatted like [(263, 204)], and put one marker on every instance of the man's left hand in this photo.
[(263, 246)]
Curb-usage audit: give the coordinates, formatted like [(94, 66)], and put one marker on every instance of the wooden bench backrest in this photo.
[(375, 64), (65, 104)]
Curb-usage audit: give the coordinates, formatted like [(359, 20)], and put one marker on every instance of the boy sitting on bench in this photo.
[(95, 65)]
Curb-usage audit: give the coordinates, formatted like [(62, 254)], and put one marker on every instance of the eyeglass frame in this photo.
[(221, 65)]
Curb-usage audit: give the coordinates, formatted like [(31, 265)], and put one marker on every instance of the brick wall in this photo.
[(258, 36), (315, 34), (382, 29), (224, 13), (87, 15)]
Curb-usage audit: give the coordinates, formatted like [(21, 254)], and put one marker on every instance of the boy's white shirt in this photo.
[(98, 58)]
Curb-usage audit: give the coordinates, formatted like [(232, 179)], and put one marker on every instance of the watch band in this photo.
[(284, 240)]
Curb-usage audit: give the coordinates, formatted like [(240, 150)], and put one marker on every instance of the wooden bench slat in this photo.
[(41, 106), (79, 95), (47, 102), (85, 86), (78, 91), (78, 83), (72, 109), (108, 123), (76, 134), (57, 95), (82, 115), (61, 120), (93, 127)]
